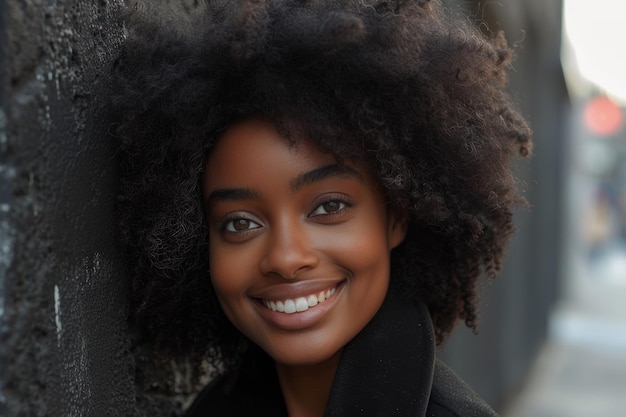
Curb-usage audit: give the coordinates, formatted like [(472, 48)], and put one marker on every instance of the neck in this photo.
[(306, 388)]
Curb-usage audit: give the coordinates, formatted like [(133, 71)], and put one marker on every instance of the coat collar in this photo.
[(387, 369)]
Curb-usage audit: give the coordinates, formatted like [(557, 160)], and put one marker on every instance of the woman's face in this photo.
[(299, 245)]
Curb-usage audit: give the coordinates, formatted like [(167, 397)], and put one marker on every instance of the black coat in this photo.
[(388, 369)]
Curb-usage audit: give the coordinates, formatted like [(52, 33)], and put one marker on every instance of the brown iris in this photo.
[(241, 224), (331, 206)]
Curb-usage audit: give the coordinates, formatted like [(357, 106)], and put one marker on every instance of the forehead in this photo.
[(253, 153), (259, 136), (253, 148)]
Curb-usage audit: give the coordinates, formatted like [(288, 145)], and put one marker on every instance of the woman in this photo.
[(310, 191)]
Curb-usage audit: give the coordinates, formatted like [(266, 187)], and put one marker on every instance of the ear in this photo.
[(397, 226)]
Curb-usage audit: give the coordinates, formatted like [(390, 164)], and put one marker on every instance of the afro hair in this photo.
[(419, 95)]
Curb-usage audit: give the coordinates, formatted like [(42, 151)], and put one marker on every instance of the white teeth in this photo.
[(312, 301), (290, 306), (299, 304), (302, 304)]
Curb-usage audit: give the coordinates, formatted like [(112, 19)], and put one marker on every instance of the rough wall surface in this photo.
[(65, 346)]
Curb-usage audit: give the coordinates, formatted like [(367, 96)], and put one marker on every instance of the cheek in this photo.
[(229, 271), (361, 245), (361, 254), (229, 279)]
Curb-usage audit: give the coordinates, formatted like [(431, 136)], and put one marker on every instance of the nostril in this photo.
[(288, 260), (289, 250)]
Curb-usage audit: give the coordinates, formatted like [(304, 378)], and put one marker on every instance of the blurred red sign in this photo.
[(603, 117)]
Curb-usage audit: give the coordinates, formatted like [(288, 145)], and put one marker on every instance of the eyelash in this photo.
[(344, 203), (223, 226)]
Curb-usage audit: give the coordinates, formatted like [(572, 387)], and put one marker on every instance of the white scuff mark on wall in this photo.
[(57, 314)]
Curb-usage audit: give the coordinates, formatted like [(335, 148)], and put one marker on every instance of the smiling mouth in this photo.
[(299, 304)]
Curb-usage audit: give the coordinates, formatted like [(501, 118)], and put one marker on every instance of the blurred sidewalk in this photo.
[(581, 372)]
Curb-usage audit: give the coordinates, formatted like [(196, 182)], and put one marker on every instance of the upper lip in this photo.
[(295, 289)]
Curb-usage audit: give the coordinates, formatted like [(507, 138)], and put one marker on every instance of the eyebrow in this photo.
[(302, 180), (322, 173), (231, 194)]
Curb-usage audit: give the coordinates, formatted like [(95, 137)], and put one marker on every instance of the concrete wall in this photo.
[(65, 345)]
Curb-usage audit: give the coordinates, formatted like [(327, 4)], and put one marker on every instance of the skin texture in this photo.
[(286, 220)]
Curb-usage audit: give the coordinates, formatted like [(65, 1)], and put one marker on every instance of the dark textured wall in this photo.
[(65, 347)]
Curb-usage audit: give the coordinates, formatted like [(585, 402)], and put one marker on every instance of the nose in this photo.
[(289, 251)]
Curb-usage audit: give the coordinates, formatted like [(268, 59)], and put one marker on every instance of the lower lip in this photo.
[(299, 320)]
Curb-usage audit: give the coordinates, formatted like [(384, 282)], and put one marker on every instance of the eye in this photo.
[(240, 225), (329, 207)]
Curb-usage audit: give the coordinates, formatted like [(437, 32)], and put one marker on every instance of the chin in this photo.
[(307, 355)]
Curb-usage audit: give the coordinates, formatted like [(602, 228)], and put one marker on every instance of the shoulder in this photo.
[(451, 397), (220, 398), (255, 391)]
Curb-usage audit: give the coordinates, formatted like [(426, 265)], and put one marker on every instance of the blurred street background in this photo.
[(581, 370), (553, 336)]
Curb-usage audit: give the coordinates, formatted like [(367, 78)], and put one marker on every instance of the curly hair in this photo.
[(417, 94)]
